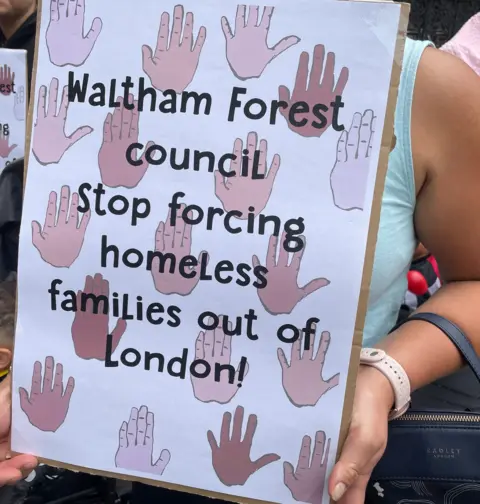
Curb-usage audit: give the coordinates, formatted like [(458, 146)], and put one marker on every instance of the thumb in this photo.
[(220, 187), (36, 234), (94, 32), (198, 267), (117, 333), (314, 285), (284, 44), (143, 159), (288, 476), (11, 148), (265, 460), (147, 59), (283, 96), (162, 462), (79, 134), (24, 400)]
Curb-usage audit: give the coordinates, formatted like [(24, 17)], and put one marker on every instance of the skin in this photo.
[(13, 13), (446, 156)]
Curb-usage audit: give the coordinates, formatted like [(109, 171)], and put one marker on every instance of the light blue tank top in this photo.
[(396, 236)]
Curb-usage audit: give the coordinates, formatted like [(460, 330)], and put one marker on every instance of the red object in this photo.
[(434, 264), (416, 283)]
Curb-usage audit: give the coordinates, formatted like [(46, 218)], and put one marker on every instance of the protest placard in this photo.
[(13, 104), (201, 208)]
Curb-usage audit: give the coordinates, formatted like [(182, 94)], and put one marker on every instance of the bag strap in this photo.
[(454, 333)]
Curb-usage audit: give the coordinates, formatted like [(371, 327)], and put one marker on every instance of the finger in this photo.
[(50, 218), (126, 120), (218, 339), (88, 289), (227, 344), (79, 134), (212, 441), (302, 72), (282, 253), (288, 476), (266, 18), (42, 101), (142, 425), (304, 455), (163, 35), (147, 60), (314, 285), (177, 26), (225, 430), (94, 32), (283, 96), (365, 134), (159, 237), (374, 123), (132, 427), (200, 341), (282, 359), (73, 212), (48, 375), (133, 131), (255, 261), (227, 30), (237, 424), (318, 450), (187, 39), (251, 147), (252, 423), (240, 18), (329, 73), (69, 389), (10, 149), (317, 66), (237, 152), (107, 129), (265, 460), (262, 157), (72, 5), (37, 237), (149, 429), (24, 400), (341, 82), (64, 205), (118, 332), (52, 98), (220, 187), (333, 382), (342, 147), (16, 468), (274, 167), (162, 461), (36, 389), (209, 341), (58, 381), (296, 352), (271, 261), (179, 228), (122, 436), (284, 44), (252, 16), (97, 284), (62, 111), (80, 8), (169, 230), (84, 221), (199, 43), (117, 120), (353, 136), (297, 256), (308, 352), (54, 14), (323, 348)]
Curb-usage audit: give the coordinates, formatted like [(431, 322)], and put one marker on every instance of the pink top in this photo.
[(466, 43)]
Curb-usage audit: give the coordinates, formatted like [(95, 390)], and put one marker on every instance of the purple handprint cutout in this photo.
[(135, 445), (66, 42)]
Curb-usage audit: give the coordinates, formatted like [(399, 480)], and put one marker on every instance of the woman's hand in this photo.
[(18, 467), (366, 440)]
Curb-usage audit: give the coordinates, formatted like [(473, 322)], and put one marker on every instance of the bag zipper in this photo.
[(439, 417)]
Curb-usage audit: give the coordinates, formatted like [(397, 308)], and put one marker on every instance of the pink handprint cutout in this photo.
[(135, 445), (307, 481), (66, 42), (50, 142), (5, 148), (7, 80), (61, 239), (282, 292), (47, 404), (215, 347), (251, 188), (120, 130), (173, 64), (247, 50), (315, 91), (306, 368), (349, 176), (176, 240), (90, 325)]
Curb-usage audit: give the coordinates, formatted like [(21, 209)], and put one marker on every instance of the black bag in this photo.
[(432, 457)]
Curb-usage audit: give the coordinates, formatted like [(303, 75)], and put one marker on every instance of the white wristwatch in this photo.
[(394, 373)]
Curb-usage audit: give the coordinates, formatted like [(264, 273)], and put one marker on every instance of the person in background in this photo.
[(18, 24)]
